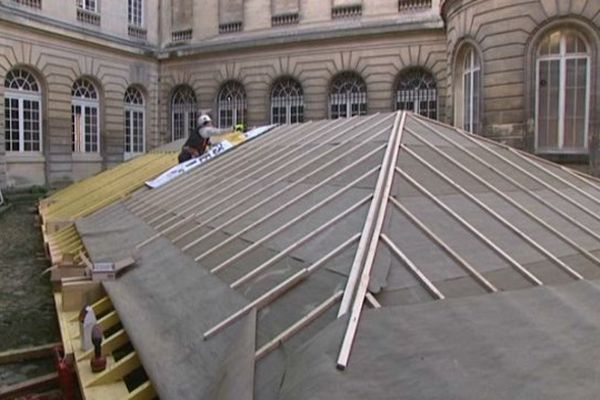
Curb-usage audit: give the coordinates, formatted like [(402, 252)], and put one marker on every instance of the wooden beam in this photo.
[(284, 253), (287, 204), (372, 300), (143, 392), (282, 288), (109, 320), (296, 327), (259, 302), (503, 254), (27, 353), (109, 344), (378, 211), (431, 288), (461, 261), (101, 306), (574, 274), (290, 223), (310, 161), (116, 371), (22, 388), (369, 224), (533, 194)]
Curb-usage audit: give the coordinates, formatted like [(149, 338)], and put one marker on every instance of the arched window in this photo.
[(417, 92), (348, 96), (22, 112), (471, 90), (231, 105), (287, 102), (134, 122), (85, 121), (562, 93), (183, 112)]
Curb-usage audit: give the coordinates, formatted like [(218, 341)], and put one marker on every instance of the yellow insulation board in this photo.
[(83, 198)]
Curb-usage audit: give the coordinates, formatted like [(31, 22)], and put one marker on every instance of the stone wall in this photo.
[(378, 60), (56, 65), (506, 34)]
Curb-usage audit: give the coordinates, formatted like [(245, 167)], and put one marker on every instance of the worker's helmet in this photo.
[(203, 119)]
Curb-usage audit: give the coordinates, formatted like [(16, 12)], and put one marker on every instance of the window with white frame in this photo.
[(85, 121), (471, 91), (22, 112), (348, 96), (287, 102), (562, 93), (183, 112), (88, 5), (134, 122), (417, 92), (135, 12), (231, 105)]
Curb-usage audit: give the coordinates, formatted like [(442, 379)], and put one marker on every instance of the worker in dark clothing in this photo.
[(198, 141)]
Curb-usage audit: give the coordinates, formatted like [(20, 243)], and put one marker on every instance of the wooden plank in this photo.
[(109, 320), (264, 188), (288, 224), (372, 300), (451, 252), (298, 326), (43, 382), (109, 345), (27, 353), (283, 253), (503, 254), (574, 274), (143, 392), (287, 204), (431, 288), (75, 295), (116, 371), (536, 196), (368, 227), (385, 185)]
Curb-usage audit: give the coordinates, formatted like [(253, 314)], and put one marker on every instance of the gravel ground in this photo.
[(27, 315)]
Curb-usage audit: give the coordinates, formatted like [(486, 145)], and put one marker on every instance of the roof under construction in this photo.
[(416, 258)]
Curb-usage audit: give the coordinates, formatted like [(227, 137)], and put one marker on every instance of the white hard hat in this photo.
[(203, 119)]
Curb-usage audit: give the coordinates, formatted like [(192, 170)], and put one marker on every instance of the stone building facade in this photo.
[(88, 83)]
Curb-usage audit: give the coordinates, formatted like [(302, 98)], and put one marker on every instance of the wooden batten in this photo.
[(116, 371), (28, 353)]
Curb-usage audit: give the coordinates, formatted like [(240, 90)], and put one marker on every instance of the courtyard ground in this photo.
[(27, 316)]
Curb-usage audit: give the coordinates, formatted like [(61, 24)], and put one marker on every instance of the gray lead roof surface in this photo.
[(286, 211)]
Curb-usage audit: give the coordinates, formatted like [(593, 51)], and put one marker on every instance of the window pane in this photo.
[(467, 95), (348, 96), (575, 104), (127, 131), (76, 133), (548, 112)]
